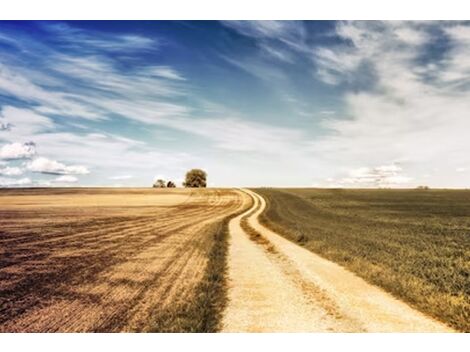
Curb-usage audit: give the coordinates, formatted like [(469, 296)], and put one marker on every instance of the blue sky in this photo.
[(317, 103)]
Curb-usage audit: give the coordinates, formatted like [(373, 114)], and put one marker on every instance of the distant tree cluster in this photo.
[(163, 184), (195, 178), (422, 187)]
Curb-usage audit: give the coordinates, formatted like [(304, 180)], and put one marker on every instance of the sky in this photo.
[(253, 103)]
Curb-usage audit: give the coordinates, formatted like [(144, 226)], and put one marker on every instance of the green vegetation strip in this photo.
[(413, 243), (204, 312)]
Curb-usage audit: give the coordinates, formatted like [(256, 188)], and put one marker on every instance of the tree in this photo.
[(170, 184), (159, 184), (195, 178)]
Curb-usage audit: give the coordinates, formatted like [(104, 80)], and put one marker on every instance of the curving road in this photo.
[(278, 286)]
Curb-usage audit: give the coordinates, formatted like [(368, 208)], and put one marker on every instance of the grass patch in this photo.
[(254, 235), (413, 243)]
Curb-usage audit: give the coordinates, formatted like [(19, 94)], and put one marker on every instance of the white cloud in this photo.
[(140, 95), (165, 72), (407, 110), (18, 151), (109, 154), (9, 182), (65, 179), (47, 166), (97, 87), (403, 103), (11, 171)]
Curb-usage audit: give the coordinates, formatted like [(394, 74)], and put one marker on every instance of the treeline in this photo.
[(195, 178)]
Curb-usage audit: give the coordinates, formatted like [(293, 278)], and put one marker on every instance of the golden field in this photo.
[(91, 260)]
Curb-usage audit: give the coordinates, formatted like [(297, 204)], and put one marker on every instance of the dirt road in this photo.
[(277, 286)]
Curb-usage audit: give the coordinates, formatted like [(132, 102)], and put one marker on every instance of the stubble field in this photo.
[(413, 243), (103, 260)]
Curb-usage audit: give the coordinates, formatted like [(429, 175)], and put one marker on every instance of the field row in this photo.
[(106, 265)]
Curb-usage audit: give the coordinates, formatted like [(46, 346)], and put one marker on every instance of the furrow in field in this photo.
[(82, 238), (116, 282)]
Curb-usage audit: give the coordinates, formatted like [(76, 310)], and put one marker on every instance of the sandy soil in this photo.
[(277, 286)]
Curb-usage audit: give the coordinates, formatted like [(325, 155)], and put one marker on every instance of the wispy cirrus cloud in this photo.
[(235, 134), (290, 33), (82, 83), (14, 82), (350, 97), (146, 94), (23, 123), (164, 72), (86, 40)]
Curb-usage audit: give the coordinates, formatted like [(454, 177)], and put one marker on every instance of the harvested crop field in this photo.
[(413, 243), (111, 260)]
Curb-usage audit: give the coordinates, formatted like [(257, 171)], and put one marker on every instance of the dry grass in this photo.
[(108, 260), (254, 235), (413, 243), (204, 312)]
